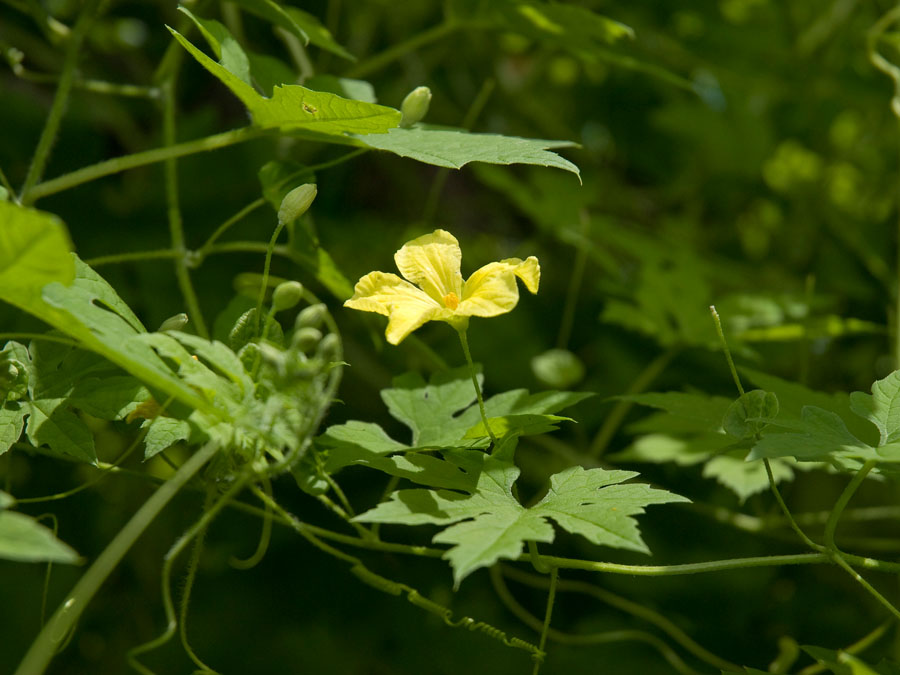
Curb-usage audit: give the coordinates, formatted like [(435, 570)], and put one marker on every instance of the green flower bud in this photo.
[(248, 355), (558, 368), (329, 347), (306, 339), (415, 106), (286, 295), (311, 317), (176, 322), (296, 202)]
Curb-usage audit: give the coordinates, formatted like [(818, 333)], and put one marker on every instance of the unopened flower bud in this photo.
[(329, 347), (296, 202), (311, 317), (176, 322), (415, 106), (286, 295), (306, 339)]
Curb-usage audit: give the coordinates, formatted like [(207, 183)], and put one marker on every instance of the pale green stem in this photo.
[(838, 558), (630, 607), (166, 577), (58, 107), (551, 597), (440, 178), (63, 620), (592, 639), (620, 410), (157, 254), (265, 275), (393, 53), (190, 577), (176, 225), (119, 164), (721, 333), (787, 512), (265, 537), (568, 316), (240, 215), (93, 86), (843, 500), (484, 418)]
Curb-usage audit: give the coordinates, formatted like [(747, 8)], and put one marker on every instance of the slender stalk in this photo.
[(551, 597), (440, 178), (721, 333), (189, 579), (628, 606), (465, 346), (839, 560), (620, 410), (237, 217), (158, 254), (393, 53), (568, 316), (786, 511), (686, 568), (58, 107), (63, 620), (592, 639), (119, 164), (176, 225), (843, 500)]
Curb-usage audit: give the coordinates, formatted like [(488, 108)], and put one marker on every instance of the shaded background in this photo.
[(740, 152)]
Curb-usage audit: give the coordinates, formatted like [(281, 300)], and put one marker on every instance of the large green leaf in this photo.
[(490, 524), (454, 148), (34, 250)]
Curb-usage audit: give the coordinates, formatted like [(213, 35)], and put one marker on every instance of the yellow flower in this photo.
[(432, 263)]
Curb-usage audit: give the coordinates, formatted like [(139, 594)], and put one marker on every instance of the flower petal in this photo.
[(406, 306), (432, 261), (492, 290)]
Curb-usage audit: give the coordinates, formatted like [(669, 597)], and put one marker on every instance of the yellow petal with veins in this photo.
[(492, 290), (432, 262), (406, 306)]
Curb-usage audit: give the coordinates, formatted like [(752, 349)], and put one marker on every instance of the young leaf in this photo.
[(490, 523), (746, 416), (440, 414), (164, 432), (296, 108), (318, 34), (819, 435), (23, 539), (882, 407)]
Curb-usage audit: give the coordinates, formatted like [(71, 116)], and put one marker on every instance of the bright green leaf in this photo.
[(454, 148), (293, 107), (490, 524), (318, 34), (23, 539), (163, 433), (882, 407), (230, 54)]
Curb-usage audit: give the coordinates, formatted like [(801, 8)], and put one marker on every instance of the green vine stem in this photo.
[(843, 500), (545, 628), (176, 224), (63, 620), (58, 107), (533, 622), (119, 164), (484, 418), (380, 60), (628, 606), (620, 410)]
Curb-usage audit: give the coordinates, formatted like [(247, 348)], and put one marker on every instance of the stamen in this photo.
[(451, 300)]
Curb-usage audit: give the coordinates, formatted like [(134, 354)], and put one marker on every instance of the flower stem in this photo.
[(465, 345)]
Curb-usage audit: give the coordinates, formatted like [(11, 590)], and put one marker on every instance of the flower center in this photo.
[(451, 300)]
